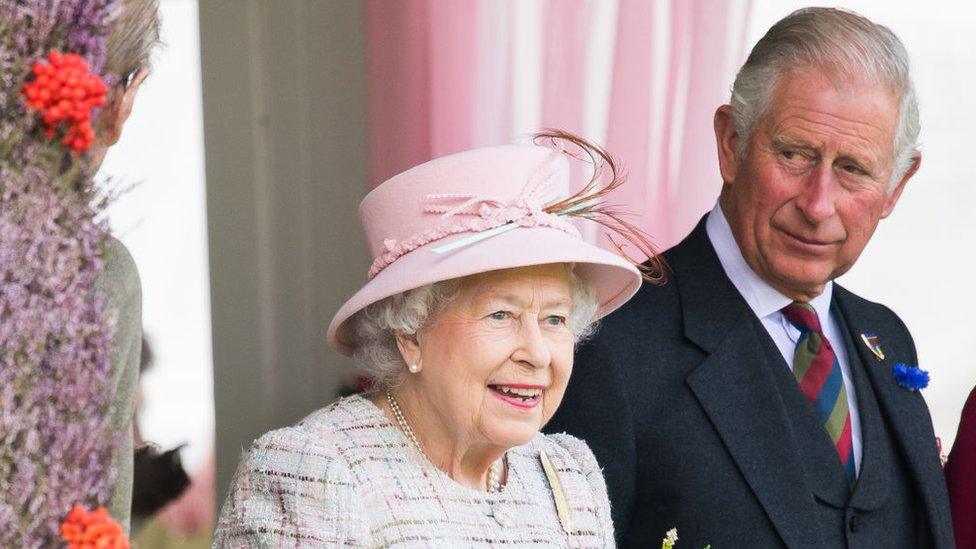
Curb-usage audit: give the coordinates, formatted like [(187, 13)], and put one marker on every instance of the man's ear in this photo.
[(727, 141), (117, 111), (895, 193)]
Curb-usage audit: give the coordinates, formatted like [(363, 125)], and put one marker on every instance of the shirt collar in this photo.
[(763, 299)]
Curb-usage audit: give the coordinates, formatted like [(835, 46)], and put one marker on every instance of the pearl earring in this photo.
[(414, 368)]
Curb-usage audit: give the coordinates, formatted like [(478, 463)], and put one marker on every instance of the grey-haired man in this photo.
[(750, 402)]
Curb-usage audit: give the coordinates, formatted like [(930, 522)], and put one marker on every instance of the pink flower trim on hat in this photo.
[(487, 213)]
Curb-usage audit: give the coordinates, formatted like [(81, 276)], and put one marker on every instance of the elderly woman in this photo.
[(479, 290)]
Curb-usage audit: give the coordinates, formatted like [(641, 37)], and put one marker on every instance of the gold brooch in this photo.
[(562, 506)]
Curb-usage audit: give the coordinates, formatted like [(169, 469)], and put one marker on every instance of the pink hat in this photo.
[(472, 212)]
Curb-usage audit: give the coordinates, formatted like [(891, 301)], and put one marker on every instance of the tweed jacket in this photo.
[(346, 476)]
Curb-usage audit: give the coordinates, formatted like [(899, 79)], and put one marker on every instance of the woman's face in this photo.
[(496, 360)]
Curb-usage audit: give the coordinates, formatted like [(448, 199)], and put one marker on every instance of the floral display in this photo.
[(66, 92), (55, 327), (670, 539), (83, 528)]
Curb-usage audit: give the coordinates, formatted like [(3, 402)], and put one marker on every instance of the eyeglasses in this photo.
[(129, 78)]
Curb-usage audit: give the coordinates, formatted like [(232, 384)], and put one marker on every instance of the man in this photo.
[(750, 401)]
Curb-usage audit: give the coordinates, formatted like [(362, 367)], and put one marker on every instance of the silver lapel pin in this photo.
[(873, 343)]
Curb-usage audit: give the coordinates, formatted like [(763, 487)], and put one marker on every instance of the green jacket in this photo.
[(120, 283)]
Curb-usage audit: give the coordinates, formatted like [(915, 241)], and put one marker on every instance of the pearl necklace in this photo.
[(494, 485)]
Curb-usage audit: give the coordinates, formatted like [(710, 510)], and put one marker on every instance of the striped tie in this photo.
[(818, 372)]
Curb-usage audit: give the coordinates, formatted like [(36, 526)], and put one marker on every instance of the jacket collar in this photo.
[(736, 388)]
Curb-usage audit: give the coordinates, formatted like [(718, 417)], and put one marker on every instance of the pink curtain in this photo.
[(443, 77)]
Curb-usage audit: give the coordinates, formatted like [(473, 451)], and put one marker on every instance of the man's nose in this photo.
[(816, 199)]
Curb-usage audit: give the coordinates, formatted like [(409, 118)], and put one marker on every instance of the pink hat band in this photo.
[(472, 212), (483, 213)]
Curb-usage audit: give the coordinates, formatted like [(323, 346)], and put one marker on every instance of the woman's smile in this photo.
[(521, 396)]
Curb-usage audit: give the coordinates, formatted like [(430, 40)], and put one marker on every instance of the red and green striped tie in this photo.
[(817, 370)]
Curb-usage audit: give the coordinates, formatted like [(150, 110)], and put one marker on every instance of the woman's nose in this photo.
[(532, 349)]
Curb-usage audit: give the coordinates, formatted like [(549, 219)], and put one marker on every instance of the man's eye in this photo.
[(788, 154), (499, 315), (851, 168), (556, 320)]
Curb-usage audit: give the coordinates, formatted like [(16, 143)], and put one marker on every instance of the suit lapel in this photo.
[(873, 482), (904, 411), (735, 388)]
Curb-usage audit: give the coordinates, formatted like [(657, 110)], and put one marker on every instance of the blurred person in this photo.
[(193, 513), (133, 36), (158, 477)]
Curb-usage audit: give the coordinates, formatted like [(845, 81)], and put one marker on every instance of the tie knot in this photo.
[(803, 316)]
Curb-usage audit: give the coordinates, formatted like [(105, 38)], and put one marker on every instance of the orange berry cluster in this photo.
[(84, 529), (65, 91)]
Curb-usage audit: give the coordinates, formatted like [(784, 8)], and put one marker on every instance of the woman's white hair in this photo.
[(835, 40), (409, 312)]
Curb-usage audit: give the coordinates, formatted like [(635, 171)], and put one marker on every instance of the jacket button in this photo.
[(854, 523)]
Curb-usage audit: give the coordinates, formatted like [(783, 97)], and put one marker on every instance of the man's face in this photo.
[(808, 193)]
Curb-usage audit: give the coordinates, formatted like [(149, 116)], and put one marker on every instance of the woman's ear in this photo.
[(409, 348), (117, 111)]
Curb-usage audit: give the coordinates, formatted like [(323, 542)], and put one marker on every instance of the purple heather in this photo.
[(55, 327)]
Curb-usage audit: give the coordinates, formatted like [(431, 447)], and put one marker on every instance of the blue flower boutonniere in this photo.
[(912, 378)]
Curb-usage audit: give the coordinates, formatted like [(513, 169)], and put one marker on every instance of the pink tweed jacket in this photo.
[(347, 477)]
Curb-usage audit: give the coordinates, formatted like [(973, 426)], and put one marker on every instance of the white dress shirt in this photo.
[(766, 303)]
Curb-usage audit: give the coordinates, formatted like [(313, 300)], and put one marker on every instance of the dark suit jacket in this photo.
[(699, 424), (961, 474)]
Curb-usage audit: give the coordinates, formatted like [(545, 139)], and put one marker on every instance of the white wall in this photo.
[(162, 221), (920, 261)]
